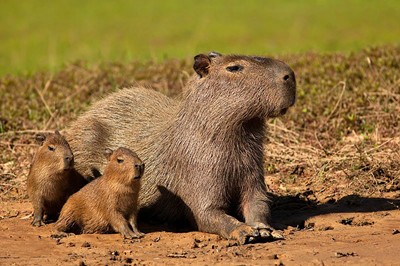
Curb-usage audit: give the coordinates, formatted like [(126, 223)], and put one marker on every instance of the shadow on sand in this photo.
[(294, 211), (286, 211)]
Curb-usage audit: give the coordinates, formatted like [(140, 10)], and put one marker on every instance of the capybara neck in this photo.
[(208, 117)]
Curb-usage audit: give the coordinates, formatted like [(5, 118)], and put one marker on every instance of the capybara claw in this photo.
[(132, 235), (242, 234), (140, 234), (264, 233), (37, 223), (277, 235), (267, 231)]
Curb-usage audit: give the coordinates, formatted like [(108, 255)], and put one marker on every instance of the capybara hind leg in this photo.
[(62, 225), (227, 226), (38, 216)]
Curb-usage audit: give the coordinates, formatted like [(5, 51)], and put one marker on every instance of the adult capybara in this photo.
[(52, 177), (205, 153), (108, 203)]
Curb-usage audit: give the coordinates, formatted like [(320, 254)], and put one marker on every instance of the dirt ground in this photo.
[(351, 231)]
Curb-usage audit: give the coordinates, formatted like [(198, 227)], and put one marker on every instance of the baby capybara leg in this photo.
[(38, 213), (133, 223), (121, 225)]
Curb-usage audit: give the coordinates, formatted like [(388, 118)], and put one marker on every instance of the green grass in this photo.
[(44, 35)]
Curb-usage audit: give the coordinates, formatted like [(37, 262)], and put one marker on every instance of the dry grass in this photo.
[(341, 138)]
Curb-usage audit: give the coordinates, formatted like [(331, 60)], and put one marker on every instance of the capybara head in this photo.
[(54, 151), (261, 87), (124, 165)]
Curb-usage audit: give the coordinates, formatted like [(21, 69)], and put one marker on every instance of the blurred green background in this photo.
[(44, 35)]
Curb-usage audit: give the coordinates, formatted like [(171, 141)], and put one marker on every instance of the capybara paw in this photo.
[(243, 234), (132, 235), (140, 234), (37, 222), (266, 231)]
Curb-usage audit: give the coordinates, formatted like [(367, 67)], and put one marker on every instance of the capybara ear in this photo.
[(214, 54), (57, 132), (201, 64), (107, 153), (40, 138)]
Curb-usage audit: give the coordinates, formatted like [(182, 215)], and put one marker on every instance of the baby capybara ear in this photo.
[(40, 138), (201, 64), (57, 132), (108, 153), (214, 54)]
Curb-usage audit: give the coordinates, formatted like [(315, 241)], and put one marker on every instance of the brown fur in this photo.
[(205, 152), (108, 203), (52, 178)]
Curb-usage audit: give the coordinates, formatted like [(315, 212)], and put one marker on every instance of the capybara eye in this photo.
[(51, 148), (119, 160), (259, 59), (235, 68)]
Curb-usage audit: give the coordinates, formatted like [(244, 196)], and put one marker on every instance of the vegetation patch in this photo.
[(341, 137)]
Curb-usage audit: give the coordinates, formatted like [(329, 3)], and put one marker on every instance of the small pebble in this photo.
[(273, 256), (86, 245)]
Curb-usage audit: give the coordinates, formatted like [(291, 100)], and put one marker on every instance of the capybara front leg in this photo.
[(121, 225), (38, 216), (256, 212), (218, 222), (133, 223)]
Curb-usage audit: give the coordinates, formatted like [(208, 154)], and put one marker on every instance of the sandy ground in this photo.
[(351, 231)]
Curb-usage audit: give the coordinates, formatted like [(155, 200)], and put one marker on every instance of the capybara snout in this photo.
[(69, 161), (282, 84), (139, 170), (285, 80)]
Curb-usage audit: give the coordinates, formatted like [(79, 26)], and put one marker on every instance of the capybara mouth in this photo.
[(283, 111), (68, 167), (137, 177), (278, 112)]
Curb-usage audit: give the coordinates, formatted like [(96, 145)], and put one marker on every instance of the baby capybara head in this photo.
[(124, 165), (54, 152), (254, 86)]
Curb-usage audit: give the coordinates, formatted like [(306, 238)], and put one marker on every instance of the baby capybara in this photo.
[(206, 151), (52, 177), (109, 203)]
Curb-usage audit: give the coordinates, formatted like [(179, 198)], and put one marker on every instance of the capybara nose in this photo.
[(289, 77), (289, 84), (69, 160), (140, 168)]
